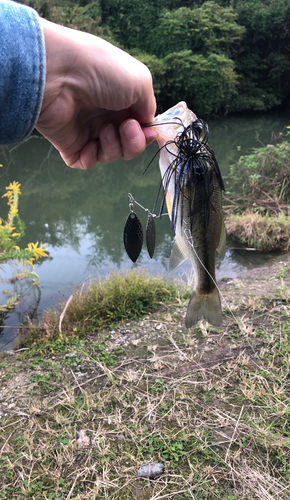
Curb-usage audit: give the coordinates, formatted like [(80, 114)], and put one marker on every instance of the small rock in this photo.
[(158, 327), (136, 341), (150, 471), (83, 441)]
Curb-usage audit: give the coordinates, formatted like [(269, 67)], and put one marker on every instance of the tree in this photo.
[(205, 83), (206, 29), (263, 59), (191, 62)]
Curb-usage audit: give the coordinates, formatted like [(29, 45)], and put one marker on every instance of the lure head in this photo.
[(193, 150), (187, 164), (173, 121)]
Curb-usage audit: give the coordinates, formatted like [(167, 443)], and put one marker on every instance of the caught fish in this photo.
[(192, 188)]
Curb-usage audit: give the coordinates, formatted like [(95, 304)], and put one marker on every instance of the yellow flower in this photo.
[(38, 251), (30, 262), (16, 247), (9, 196), (15, 187), (13, 210)]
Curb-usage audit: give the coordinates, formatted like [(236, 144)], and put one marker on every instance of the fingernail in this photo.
[(110, 134), (131, 130)]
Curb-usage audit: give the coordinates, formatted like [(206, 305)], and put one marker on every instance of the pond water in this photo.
[(80, 215)]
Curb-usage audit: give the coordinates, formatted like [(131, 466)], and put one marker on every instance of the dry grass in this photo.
[(212, 405), (260, 231)]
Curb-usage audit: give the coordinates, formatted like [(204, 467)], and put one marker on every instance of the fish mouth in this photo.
[(177, 115), (174, 121)]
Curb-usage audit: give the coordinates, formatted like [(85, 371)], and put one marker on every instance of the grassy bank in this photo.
[(258, 197), (108, 302), (211, 404)]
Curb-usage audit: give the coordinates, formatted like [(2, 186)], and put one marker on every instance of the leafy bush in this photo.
[(262, 178), (259, 193)]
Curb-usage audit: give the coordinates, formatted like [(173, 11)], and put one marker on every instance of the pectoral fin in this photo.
[(177, 256), (221, 249)]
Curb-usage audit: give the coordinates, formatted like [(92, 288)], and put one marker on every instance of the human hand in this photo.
[(95, 98)]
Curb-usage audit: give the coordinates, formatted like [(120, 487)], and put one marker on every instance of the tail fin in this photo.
[(206, 307)]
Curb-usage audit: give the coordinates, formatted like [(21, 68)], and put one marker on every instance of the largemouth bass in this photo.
[(192, 187)]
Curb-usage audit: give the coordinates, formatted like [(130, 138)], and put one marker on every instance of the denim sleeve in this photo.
[(22, 71)]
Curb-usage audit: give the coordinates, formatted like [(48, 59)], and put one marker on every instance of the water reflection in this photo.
[(80, 215)]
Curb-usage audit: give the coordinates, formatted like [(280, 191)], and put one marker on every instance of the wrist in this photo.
[(58, 60)]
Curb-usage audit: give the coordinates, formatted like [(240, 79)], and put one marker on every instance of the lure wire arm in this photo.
[(132, 200)]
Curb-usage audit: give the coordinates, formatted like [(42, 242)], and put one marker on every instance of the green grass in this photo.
[(102, 303), (211, 404), (120, 297)]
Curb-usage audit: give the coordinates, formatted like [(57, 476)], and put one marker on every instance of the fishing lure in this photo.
[(194, 163), (133, 232), (133, 235)]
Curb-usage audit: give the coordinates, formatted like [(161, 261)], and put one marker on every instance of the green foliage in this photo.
[(263, 61), (106, 357), (210, 28), (250, 39), (187, 50), (132, 21), (204, 82), (158, 70), (267, 169), (106, 302), (260, 216), (83, 15)]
